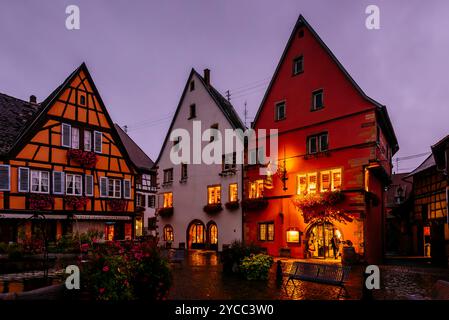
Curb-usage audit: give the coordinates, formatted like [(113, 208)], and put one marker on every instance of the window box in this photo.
[(213, 208), (86, 159), (232, 205), (41, 202), (255, 204), (76, 202), (227, 172), (118, 205), (317, 155), (166, 212)]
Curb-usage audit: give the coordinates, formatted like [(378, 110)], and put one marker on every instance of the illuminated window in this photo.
[(214, 194), (266, 231), (213, 234), (168, 200), (197, 233), (168, 233), (233, 192), (336, 179), (312, 182), (139, 227), (256, 189), (325, 181), (302, 184)]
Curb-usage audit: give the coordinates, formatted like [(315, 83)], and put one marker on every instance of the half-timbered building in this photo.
[(63, 167)]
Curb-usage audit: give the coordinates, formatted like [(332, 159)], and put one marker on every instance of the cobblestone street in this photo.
[(200, 277)]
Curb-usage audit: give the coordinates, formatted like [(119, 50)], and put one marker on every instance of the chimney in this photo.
[(33, 99), (207, 76)]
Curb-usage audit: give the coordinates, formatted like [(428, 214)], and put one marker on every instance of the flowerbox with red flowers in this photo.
[(232, 205), (321, 207), (41, 201), (87, 159), (76, 202), (117, 204), (165, 212)]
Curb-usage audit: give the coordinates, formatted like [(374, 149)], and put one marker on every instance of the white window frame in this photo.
[(309, 190), (20, 177), (92, 184), (298, 182), (40, 172), (67, 180), (115, 182), (62, 182), (322, 173), (88, 133), (62, 135), (124, 182), (101, 144), (277, 107), (333, 188), (9, 176)]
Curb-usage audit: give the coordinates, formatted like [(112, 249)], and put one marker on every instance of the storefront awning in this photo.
[(29, 216)]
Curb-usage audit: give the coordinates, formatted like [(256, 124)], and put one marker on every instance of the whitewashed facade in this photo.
[(185, 189)]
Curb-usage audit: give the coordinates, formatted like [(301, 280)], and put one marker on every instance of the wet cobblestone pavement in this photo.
[(200, 277)]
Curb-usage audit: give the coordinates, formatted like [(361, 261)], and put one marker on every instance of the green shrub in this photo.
[(256, 266), (233, 256)]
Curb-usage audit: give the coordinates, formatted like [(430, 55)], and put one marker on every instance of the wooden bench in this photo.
[(322, 273)]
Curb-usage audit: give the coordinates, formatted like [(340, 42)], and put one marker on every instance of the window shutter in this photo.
[(58, 182), (103, 187), (24, 179), (98, 139), (127, 189), (66, 135), (89, 188), (4, 177)]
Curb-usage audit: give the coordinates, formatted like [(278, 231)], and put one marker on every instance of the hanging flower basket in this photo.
[(76, 202), (41, 201), (321, 207), (213, 208), (165, 212), (254, 204), (117, 205), (232, 205), (87, 159)]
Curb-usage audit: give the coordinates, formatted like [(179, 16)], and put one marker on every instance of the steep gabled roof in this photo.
[(438, 150), (381, 109), (136, 154), (224, 105), (428, 163), (15, 115)]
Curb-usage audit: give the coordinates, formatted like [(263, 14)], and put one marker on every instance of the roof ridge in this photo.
[(21, 100)]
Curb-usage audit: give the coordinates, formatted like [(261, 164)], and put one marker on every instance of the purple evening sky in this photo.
[(140, 54)]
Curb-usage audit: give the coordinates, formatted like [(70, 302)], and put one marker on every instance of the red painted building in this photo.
[(331, 137)]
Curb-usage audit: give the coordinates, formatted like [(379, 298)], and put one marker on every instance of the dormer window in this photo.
[(82, 100)]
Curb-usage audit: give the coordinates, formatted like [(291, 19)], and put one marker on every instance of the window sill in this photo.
[(316, 155), (312, 109), (183, 180), (281, 119), (167, 184), (228, 172)]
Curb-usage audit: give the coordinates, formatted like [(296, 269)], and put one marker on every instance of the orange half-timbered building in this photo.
[(63, 167)]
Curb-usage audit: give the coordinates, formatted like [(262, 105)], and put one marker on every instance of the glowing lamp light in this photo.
[(293, 235)]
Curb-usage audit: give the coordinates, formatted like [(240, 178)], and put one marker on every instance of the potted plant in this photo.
[(76, 202), (165, 212), (213, 208), (232, 205), (41, 201)]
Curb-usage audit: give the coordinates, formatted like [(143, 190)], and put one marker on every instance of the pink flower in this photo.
[(101, 290), (105, 268), (85, 247)]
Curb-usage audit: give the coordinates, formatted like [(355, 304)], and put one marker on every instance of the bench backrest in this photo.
[(324, 272)]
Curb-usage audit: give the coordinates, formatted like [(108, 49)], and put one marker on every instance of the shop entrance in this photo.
[(324, 241)]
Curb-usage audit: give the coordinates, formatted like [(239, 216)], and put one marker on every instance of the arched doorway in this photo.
[(319, 240), (196, 235), (212, 235)]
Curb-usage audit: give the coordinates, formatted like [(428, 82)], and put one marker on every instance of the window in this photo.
[(183, 171), (317, 143), (58, 182), (114, 188), (89, 185), (74, 184), (213, 194), (229, 161), (82, 100), (301, 184), (168, 233), (192, 111), (336, 179), (168, 175), (325, 181), (98, 141), (24, 180), (233, 192), (317, 100), (298, 65), (293, 236), (256, 189), (280, 111), (192, 85), (127, 189), (252, 156), (266, 231), (103, 186), (151, 201), (4, 177), (140, 200), (75, 138), (214, 133), (168, 200), (40, 181), (87, 140), (312, 182), (66, 135)]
